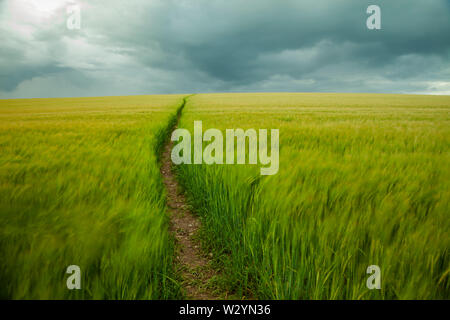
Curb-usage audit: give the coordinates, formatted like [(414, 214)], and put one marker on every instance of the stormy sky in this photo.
[(185, 46)]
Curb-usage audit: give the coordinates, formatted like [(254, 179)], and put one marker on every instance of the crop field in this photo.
[(363, 180), (79, 184)]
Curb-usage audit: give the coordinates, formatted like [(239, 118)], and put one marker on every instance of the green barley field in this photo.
[(363, 180), (80, 184)]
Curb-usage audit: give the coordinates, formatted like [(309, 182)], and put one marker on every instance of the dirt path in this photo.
[(191, 262)]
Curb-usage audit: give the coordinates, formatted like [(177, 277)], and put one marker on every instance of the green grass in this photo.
[(80, 184), (363, 180)]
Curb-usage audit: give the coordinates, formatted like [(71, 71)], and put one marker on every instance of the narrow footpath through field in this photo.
[(193, 264)]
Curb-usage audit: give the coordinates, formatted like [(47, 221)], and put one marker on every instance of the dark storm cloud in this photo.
[(213, 45)]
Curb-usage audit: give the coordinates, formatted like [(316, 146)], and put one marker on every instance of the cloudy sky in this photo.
[(183, 46)]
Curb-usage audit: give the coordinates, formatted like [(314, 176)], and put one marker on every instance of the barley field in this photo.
[(363, 180), (80, 185)]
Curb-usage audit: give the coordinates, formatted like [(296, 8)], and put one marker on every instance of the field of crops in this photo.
[(363, 180), (79, 184)]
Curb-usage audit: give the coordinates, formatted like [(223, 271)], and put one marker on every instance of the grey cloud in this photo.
[(216, 45)]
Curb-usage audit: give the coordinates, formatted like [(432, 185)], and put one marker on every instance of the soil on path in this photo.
[(193, 264)]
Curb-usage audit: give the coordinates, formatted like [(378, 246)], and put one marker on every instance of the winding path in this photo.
[(193, 264)]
